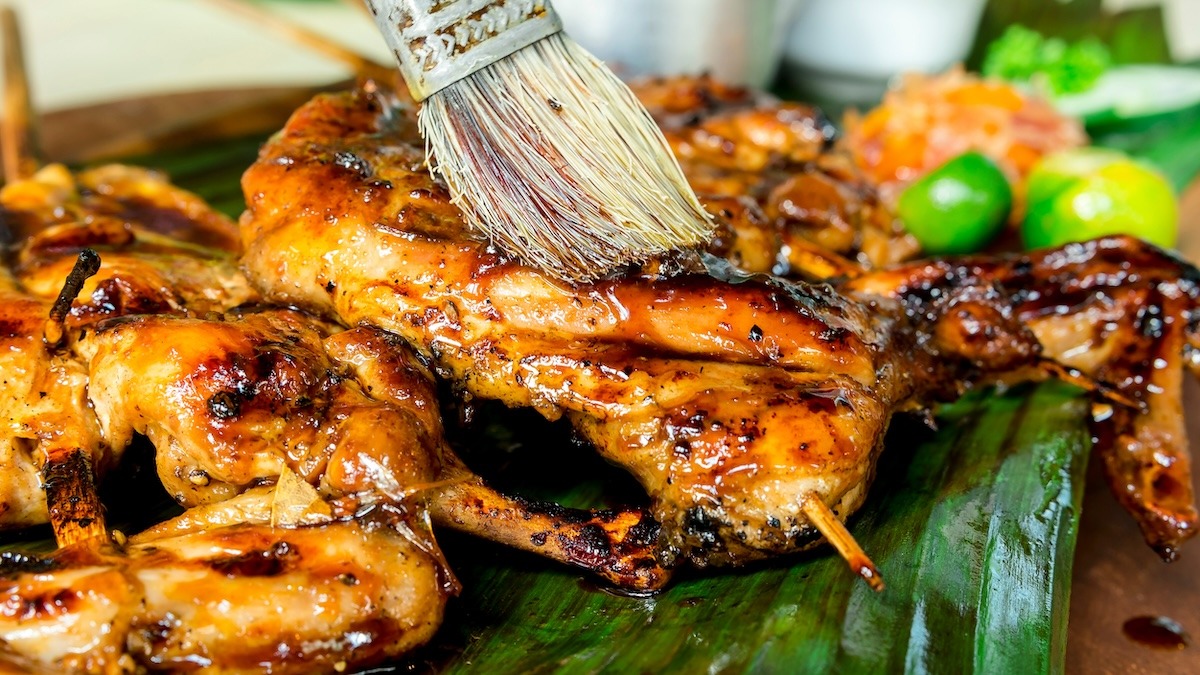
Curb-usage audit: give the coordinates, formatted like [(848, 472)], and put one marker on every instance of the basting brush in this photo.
[(542, 147)]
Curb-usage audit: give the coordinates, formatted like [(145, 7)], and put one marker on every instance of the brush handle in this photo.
[(439, 42)]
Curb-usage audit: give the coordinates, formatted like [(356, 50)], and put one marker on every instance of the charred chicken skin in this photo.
[(766, 168), (736, 401)]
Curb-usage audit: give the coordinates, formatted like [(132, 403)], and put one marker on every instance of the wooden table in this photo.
[(1116, 577)]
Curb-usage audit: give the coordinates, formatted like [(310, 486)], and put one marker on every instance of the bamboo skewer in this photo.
[(17, 129), (1090, 384), (72, 498), (823, 518), (362, 66)]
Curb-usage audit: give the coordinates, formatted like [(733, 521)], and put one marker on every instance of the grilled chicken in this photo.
[(228, 598), (1116, 310), (765, 168), (287, 437), (737, 401), (232, 400), (43, 408), (156, 242), (734, 400)]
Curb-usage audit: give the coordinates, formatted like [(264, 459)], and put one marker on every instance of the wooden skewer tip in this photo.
[(824, 519)]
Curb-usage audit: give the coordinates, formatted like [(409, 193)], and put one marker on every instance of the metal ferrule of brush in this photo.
[(439, 42)]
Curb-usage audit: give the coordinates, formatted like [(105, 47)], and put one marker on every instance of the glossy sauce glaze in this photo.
[(1156, 632), (729, 397)]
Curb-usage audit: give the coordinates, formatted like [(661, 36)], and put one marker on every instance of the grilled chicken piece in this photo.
[(155, 240), (232, 598), (276, 428), (765, 168), (735, 401), (1117, 310), (731, 402), (164, 250), (308, 493), (43, 408), (232, 401)]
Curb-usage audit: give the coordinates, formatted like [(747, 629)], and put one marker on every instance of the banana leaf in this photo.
[(1170, 142), (973, 528)]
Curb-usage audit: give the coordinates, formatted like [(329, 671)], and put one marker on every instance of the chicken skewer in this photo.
[(111, 605), (614, 391), (612, 355), (731, 399), (165, 351)]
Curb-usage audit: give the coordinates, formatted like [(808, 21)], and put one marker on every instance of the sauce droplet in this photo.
[(1158, 632)]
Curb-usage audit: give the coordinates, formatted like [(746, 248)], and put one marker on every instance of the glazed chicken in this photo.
[(305, 453), (312, 458), (156, 345), (1118, 311), (738, 402), (43, 405), (154, 239), (784, 197), (236, 598)]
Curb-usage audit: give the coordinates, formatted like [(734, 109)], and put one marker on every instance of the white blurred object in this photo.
[(738, 41), (82, 51), (847, 50)]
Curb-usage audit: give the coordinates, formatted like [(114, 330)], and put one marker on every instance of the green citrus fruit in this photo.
[(958, 207), (1082, 194)]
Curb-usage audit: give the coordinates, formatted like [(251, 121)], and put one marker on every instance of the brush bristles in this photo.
[(554, 158)]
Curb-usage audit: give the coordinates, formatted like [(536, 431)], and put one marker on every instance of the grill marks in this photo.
[(266, 372), (279, 558), (51, 604)]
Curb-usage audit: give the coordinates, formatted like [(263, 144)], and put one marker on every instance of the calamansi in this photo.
[(1086, 193), (958, 207)]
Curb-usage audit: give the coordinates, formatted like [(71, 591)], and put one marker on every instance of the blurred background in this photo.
[(81, 51)]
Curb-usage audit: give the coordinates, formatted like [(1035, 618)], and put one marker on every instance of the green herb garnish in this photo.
[(1052, 64)]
